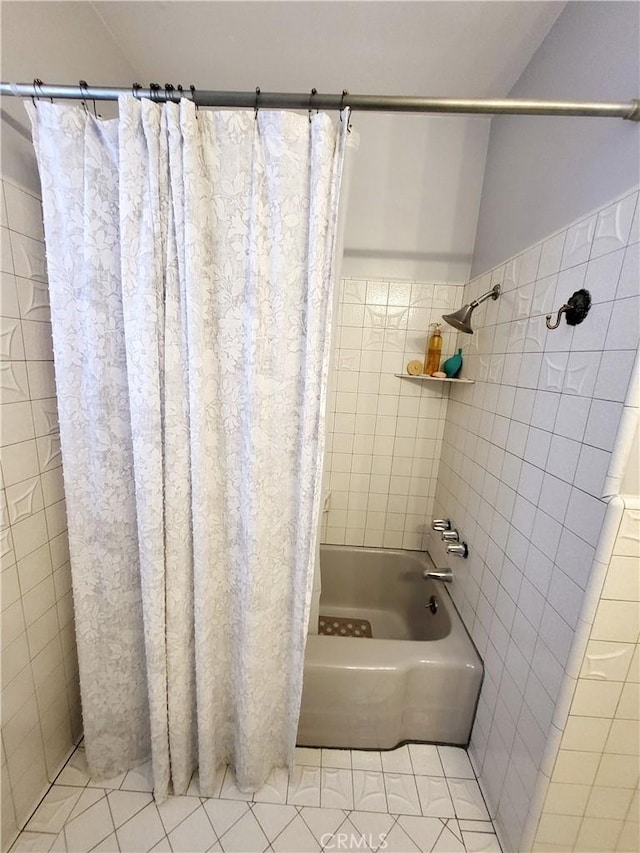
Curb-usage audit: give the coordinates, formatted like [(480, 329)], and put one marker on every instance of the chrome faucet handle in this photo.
[(450, 536), (441, 524), (458, 550)]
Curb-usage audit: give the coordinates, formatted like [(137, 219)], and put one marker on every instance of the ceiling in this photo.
[(446, 49)]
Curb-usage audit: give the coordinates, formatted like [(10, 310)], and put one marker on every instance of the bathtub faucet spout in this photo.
[(438, 574)]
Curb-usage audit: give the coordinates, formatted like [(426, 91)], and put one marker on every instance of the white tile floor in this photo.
[(414, 798)]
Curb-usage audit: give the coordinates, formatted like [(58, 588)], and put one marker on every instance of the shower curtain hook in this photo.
[(314, 91), (169, 89), (38, 84), (155, 91), (256, 105), (193, 98), (83, 85), (84, 90), (134, 90), (344, 93)]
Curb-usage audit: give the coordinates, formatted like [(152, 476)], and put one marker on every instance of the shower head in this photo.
[(461, 319)]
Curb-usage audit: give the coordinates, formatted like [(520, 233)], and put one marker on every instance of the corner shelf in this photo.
[(423, 378)]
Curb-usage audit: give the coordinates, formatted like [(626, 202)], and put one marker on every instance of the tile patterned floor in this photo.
[(415, 798)]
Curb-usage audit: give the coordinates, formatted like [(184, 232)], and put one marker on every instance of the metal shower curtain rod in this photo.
[(317, 101)]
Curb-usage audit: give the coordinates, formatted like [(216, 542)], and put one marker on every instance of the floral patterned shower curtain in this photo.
[(191, 265)]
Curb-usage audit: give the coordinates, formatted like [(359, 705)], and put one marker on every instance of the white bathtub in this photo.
[(417, 679)]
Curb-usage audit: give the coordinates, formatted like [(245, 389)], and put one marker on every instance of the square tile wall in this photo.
[(384, 433), (40, 692), (524, 459), (592, 798)]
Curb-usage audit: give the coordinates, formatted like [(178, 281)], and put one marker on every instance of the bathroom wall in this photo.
[(59, 42), (544, 172), (415, 195), (592, 798), (40, 693), (384, 433), (525, 455)]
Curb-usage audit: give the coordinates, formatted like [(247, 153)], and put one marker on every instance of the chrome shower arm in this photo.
[(490, 294), (461, 319)]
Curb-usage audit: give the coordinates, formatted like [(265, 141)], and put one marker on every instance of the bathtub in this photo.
[(417, 679)]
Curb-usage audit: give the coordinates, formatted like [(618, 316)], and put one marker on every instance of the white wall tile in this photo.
[(551, 256), (35, 699), (6, 255), (38, 345), (592, 469), (564, 454), (42, 381), (630, 272), (564, 403), (584, 516), (602, 425), (596, 698), (616, 620), (607, 660), (586, 734), (581, 373), (591, 334), (577, 247), (613, 375), (9, 295), (11, 341), (33, 298), (24, 499), (17, 423), (624, 327), (24, 212), (613, 226), (602, 276), (604, 714), (13, 382), (380, 426), (572, 416)]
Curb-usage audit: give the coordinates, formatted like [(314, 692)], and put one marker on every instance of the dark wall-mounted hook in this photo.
[(555, 325), (576, 309)]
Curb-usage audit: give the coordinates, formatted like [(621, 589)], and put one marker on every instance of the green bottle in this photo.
[(453, 366)]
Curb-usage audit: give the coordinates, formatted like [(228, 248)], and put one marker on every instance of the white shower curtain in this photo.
[(191, 263)]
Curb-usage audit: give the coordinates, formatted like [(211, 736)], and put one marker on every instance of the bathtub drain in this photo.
[(339, 626)]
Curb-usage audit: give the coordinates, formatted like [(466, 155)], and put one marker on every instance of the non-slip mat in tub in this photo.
[(338, 626)]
